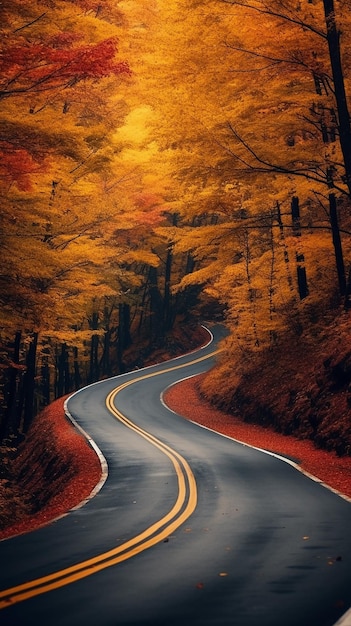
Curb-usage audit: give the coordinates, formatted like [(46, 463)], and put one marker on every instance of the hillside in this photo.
[(54, 468), (301, 388), (57, 469)]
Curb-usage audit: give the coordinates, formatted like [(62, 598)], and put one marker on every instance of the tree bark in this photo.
[(94, 349), (301, 277), (123, 337), (45, 378), (77, 376), (340, 267), (156, 305), (300, 259), (167, 305), (333, 38), (63, 372), (29, 383), (10, 422)]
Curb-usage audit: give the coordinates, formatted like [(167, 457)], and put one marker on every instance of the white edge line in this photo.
[(91, 442), (96, 489), (146, 367), (243, 443), (103, 462), (345, 619)]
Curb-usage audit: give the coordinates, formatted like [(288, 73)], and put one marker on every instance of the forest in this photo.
[(164, 164)]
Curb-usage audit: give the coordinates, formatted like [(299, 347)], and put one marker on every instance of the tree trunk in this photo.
[(295, 215), (63, 372), (67, 377), (167, 304), (77, 376), (105, 365), (347, 301), (301, 277), (168, 317), (340, 267), (123, 337), (45, 378), (94, 359), (333, 38), (94, 349), (156, 305), (29, 383), (300, 259), (127, 338), (105, 361), (10, 422), (285, 248), (294, 316)]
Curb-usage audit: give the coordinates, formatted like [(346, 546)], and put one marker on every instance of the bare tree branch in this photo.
[(311, 171), (30, 23), (268, 11)]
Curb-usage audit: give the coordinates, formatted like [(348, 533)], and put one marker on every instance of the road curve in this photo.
[(190, 528)]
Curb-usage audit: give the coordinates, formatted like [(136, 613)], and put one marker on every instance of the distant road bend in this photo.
[(190, 528)]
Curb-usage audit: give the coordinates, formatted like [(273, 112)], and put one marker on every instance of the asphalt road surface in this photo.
[(190, 528)]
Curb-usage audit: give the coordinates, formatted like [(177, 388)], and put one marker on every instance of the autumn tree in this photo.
[(56, 155), (249, 133), (135, 193)]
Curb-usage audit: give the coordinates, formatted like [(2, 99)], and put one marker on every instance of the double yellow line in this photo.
[(184, 506)]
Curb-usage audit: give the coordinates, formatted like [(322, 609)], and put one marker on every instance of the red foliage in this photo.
[(146, 201), (59, 62), (62, 40), (77, 470), (149, 209), (39, 67), (16, 166)]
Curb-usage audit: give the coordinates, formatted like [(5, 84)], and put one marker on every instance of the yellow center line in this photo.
[(149, 537)]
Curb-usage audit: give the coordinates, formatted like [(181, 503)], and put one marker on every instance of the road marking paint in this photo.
[(345, 620), (184, 506)]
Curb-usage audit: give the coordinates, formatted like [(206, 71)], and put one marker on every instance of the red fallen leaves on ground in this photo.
[(64, 472), (56, 469), (184, 398)]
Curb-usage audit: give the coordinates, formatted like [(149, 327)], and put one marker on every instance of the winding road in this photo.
[(190, 528)]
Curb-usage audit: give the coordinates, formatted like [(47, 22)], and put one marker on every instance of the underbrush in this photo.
[(301, 387)]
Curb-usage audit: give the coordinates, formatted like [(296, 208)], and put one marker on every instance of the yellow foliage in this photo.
[(218, 125)]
